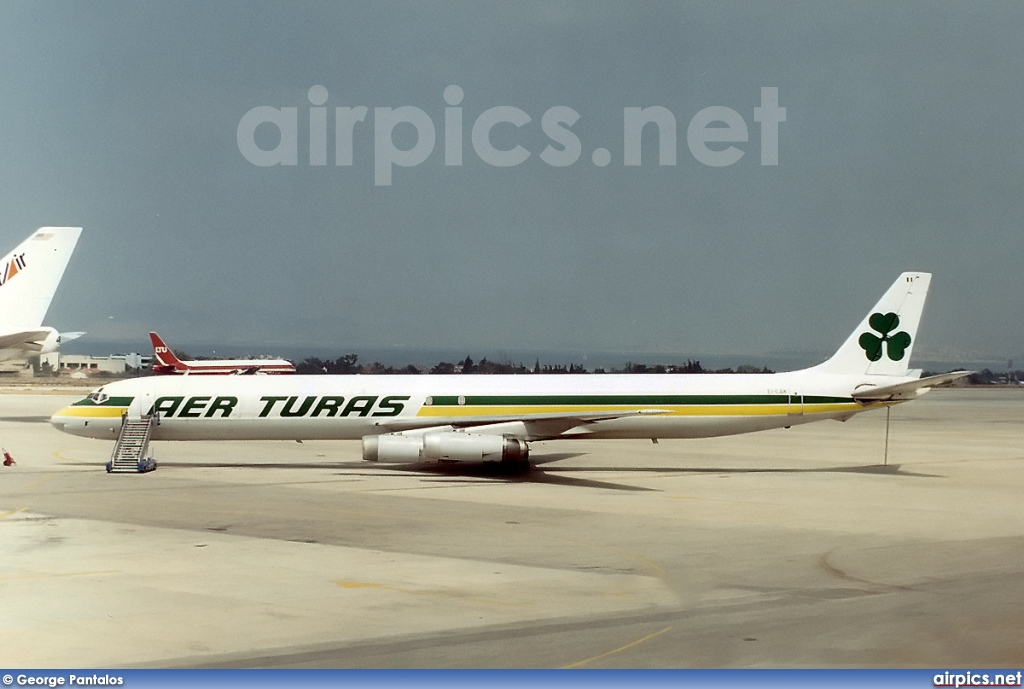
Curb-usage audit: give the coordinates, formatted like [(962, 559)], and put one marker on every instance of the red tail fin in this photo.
[(164, 355)]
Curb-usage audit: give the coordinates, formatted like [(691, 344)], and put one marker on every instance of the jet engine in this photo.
[(444, 447)]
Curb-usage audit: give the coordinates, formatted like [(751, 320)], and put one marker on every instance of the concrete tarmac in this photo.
[(786, 548)]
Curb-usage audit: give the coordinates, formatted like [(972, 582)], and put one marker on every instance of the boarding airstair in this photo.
[(129, 455)]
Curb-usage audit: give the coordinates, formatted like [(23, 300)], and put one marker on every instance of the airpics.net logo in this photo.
[(712, 134)]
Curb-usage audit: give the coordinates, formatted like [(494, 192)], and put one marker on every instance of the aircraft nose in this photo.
[(58, 420)]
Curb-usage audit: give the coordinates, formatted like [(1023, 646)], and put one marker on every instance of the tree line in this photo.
[(349, 364)]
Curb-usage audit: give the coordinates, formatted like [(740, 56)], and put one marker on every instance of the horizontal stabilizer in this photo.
[(904, 390), (30, 340)]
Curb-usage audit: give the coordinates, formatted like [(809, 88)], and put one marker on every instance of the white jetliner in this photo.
[(29, 276), (494, 417), (165, 362)]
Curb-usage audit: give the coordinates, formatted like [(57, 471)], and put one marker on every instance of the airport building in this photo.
[(83, 366)]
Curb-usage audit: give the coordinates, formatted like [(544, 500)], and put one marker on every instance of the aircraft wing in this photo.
[(250, 371), (29, 340), (537, 426), (904, 390)]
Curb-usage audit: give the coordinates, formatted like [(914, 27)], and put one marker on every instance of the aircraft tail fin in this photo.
[(884, 340), (163, 354), (29, 275)]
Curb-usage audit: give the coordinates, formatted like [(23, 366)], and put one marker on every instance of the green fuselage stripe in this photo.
[(627, 400), (109, 402)]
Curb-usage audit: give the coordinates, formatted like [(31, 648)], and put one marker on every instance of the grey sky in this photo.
[(902, 150)]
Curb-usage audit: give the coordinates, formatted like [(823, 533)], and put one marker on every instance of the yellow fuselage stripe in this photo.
[(670, 409), (93, 412)]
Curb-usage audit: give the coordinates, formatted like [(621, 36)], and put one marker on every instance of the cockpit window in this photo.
[(98, 396)]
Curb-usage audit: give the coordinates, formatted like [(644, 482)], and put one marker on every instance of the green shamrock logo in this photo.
[(896, 343)]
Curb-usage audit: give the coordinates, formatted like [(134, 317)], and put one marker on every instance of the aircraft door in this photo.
[(796, 403), (140, 406)]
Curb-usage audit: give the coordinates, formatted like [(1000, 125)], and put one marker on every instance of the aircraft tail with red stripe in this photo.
[(164, 358)]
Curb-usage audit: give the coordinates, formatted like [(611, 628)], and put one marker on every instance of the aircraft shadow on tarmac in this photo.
[(888, 469), (537, 472), (491, 472)]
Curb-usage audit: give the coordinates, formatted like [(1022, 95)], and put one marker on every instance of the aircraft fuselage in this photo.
[(351, 407)]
